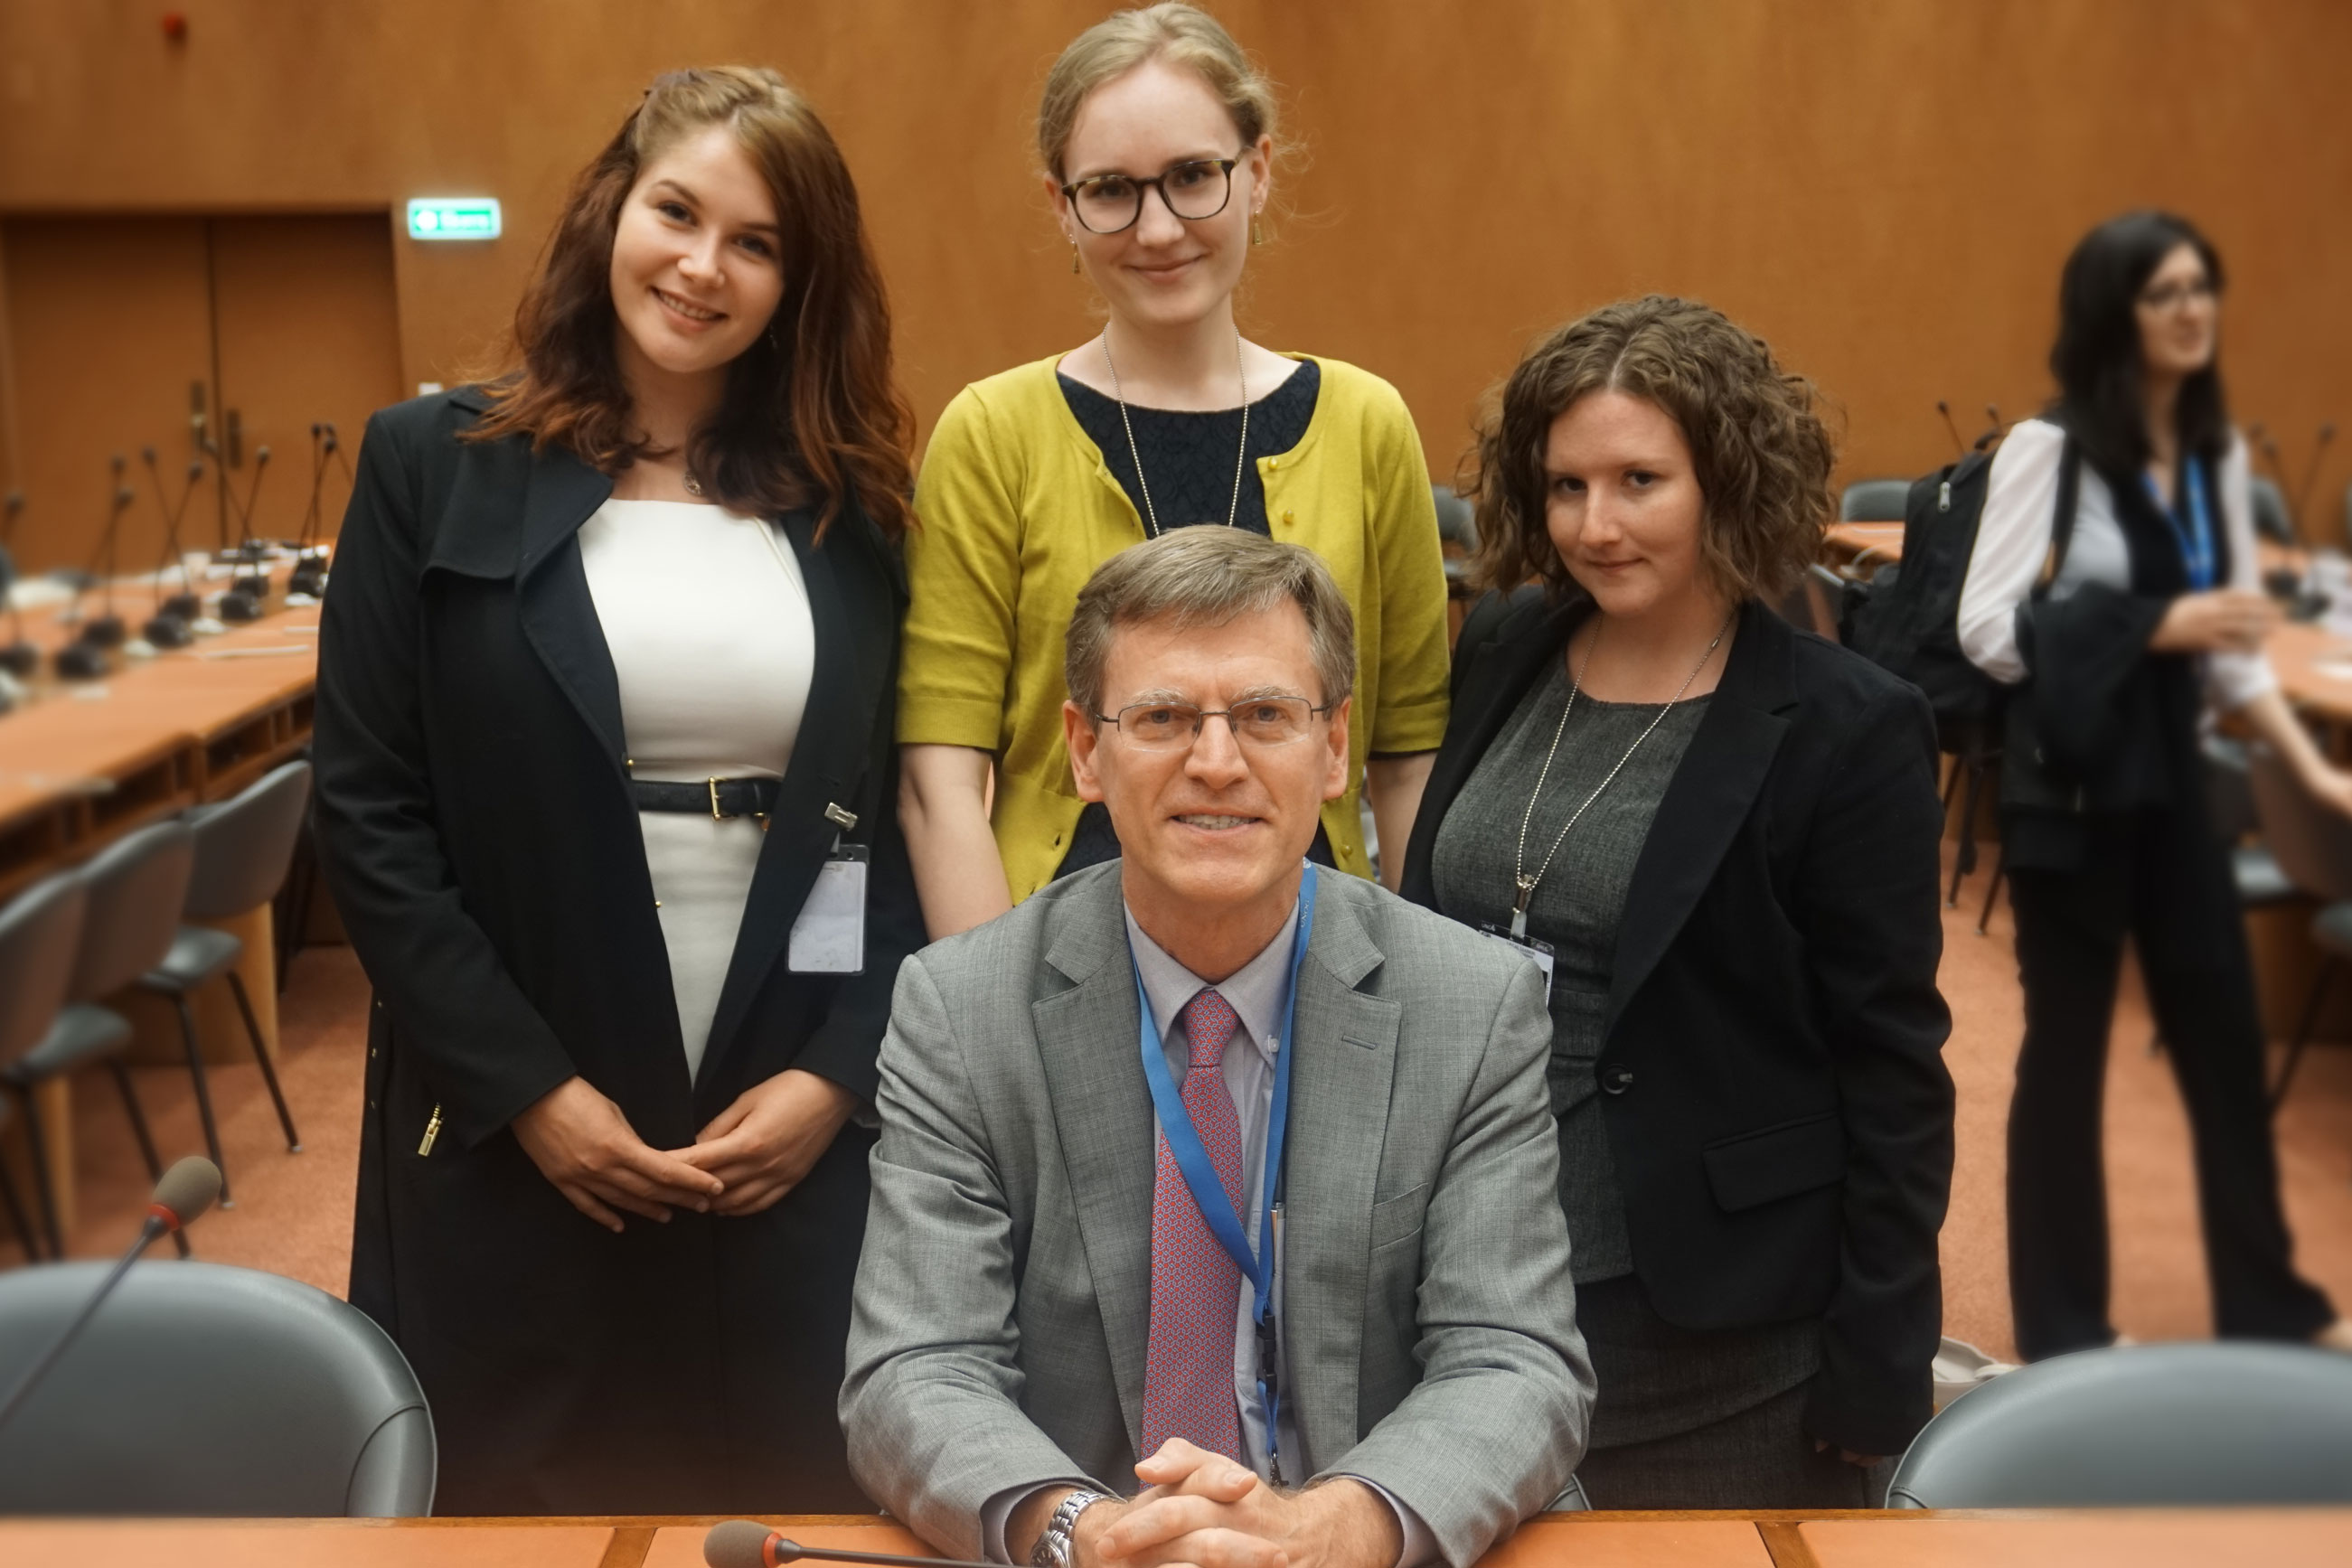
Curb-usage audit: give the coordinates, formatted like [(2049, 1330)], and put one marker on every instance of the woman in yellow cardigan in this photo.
[(1157, 134)]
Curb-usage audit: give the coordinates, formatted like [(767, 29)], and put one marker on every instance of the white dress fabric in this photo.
[(2021, 506), (708, 619)]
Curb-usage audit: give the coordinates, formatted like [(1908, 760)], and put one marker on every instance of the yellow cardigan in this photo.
[(1017, 509)]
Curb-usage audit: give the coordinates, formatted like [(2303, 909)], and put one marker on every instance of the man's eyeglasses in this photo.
[(1174, 726), (1107, 204)]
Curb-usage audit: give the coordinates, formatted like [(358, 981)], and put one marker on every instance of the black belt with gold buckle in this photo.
[(716, 797)]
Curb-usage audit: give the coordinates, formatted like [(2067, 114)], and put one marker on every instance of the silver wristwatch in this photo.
[(1053, 1543)]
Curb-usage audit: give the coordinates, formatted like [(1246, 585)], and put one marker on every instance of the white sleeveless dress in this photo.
[(709, 624)]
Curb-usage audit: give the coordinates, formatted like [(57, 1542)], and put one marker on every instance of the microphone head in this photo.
[(738, 1543), (260, 456), (1942, 406), (195, 469), (147, 455), (187, 1189), (330, 442), (317, 430), (124, 496)]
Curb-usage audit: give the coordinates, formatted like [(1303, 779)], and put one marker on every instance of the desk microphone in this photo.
[(740, 1543), (187, 1189), (19, 658), (247, 590)]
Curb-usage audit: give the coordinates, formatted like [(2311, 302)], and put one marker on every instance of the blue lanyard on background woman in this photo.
[(1201, 1175), (2196, 536)]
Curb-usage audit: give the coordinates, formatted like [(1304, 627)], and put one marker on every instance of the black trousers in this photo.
[(2161, 877)]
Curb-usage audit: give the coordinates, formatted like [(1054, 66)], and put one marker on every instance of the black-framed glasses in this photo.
[(1107, 204), (2172, 295), (1174, 726)]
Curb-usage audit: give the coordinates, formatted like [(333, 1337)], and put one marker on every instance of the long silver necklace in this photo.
[(1241, 458), (1526, 884)]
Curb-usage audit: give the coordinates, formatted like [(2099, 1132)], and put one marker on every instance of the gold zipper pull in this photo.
[(432, 1131)]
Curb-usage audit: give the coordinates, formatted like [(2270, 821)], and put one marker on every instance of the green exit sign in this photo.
[(463, 217)]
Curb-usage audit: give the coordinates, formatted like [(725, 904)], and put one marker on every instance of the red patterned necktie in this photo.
[(1188, 1373)]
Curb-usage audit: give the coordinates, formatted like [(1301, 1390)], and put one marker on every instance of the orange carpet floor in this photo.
[(293, 1212)]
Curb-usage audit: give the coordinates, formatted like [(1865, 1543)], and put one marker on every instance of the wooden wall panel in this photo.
[(1884, 187)]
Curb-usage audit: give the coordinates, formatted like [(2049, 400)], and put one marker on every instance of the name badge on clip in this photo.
[(829, 937), (1533, 946)]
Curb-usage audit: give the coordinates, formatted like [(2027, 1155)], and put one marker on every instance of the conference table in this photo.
[(87, 762), (2274, 1538)]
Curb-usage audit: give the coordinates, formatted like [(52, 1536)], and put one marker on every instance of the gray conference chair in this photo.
[(39, 929), (201, 1389), (2175, 1426), (1874, 501), (2313, 846), (1457, 524), (242, 847), (2271, 520), (1815, 602), (132, 889)]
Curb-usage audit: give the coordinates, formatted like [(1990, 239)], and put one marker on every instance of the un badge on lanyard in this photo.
[(1533, 946)]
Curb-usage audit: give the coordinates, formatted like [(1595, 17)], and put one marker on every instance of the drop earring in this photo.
[(1257, 231), (1074, 258)]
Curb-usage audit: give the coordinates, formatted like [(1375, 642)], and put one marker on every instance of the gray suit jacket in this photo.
[(1003, 1298)]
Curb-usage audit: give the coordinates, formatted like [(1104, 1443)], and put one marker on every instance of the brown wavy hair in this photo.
[(1760, 449), (811, 414)]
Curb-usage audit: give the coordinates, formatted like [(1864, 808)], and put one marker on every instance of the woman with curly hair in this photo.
[(1718, 836)]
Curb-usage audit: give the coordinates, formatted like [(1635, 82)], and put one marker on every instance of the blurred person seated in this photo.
[(1057, 1353)]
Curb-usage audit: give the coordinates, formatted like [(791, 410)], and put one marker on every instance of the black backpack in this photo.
[(1907, 619)]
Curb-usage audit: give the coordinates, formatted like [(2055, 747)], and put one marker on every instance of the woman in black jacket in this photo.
[(604, 794), (1720, 837), (2153, 606)]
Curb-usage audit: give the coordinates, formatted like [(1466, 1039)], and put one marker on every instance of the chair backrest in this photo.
[(2270, 512), (40, 929), (2312, 845), (137, 888), (2228, 796), (2171, 1424), (203, 1389), (244, 845), (1457, 519), (1874, 501)]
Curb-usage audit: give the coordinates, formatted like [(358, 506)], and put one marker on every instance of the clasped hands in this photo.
[(750, 1154), (1204, 1510)]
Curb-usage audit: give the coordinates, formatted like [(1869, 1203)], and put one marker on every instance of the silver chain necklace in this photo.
[(1241, 458), (1526, 884)]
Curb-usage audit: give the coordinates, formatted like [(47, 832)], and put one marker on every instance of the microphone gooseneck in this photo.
[(742, 1544), (185, 1191)]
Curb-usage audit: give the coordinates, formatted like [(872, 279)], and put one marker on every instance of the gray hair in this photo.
[(1206, 576)]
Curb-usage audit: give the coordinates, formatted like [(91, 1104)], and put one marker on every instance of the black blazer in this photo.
[(1773, 1078), (479, 835)]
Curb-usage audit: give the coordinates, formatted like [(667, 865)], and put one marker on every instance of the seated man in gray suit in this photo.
[(1109, 1114)]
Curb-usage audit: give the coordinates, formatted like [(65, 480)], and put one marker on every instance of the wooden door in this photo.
[(110, 329), (304, 314)]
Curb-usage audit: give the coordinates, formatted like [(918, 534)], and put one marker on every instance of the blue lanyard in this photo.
[(1192, 1159), (2196, 538)]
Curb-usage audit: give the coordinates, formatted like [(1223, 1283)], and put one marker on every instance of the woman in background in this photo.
[(604, 692), (2154, 609), (1157, 137), (1720, 838)]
